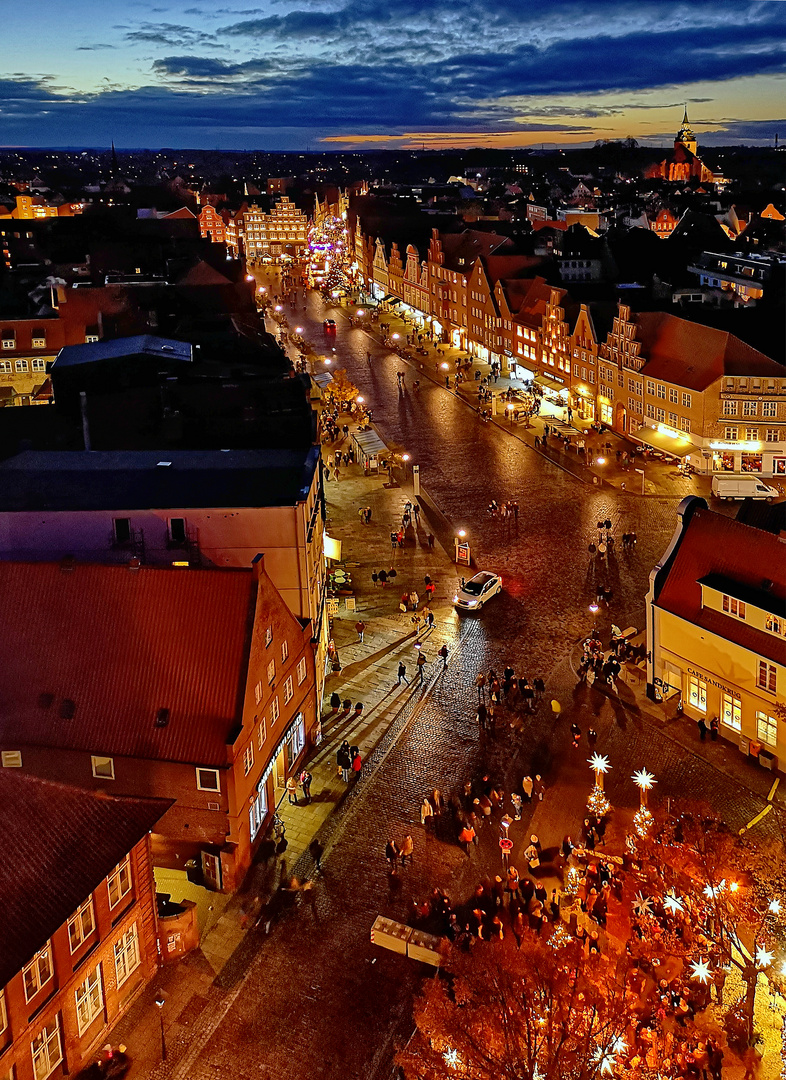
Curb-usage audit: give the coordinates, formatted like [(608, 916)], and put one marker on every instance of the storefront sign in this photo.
[(671, 432), (750, 447), (711, 682)]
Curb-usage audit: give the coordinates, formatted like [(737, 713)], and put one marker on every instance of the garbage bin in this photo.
[(768, 760)]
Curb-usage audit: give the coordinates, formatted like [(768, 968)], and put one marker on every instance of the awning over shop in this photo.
[(674, 445), (369, 444), (548, 382), (322, 378), (390, 299)]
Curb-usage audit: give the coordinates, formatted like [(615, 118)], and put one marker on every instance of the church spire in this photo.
[(685, 120)]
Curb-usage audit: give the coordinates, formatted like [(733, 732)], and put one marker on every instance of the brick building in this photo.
[(78, 935), (192, 685), (212, 224), (281, 232)]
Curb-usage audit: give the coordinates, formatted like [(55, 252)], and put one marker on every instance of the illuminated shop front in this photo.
[(737, 457)]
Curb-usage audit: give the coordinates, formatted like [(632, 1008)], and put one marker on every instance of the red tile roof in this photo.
[(714, 544), (693, 355), (58, 845), (122, 644)]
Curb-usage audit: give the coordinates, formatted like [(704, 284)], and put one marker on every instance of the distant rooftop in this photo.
[(145, 479), (116, 349)]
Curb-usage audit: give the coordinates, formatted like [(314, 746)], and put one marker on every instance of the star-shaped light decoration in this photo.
[(451, 1058), (713, 891), (599, 763), (618, 1045), (673, 904), (606, 1059), (642, 905), (763, 957), (774, 907), (643, 779), (700, 969)]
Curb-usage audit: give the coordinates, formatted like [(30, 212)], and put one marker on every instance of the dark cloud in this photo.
[(95, 48)]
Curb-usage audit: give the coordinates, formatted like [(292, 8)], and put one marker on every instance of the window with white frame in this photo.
[(769, 408), (9, 343), (39, 342), (248, 759), (119, 882), (729, 407), (730, 434), (767, 676), (46, 1050), (3, 1013), (38, 972), (685, 400), (268, 636), (39, 365), (650, 411), (660, 415), (257, 811), (661, 392), (752, 434), (271, 671), (651, 387), (5, 367), (126, 954), (685, 424), (289, 693), (296, 740), (772, 435), (258, 692), (81, 925), (103, 767), (11, 759), (766, 728), (731, 711), (697, 693), (89, 997), (22, 366), (733, 606), (673, 419), (208, 780), (284, 651), (274, 710), (750, 408), (775, 625), (301, 670), (674, 395), (261, 733)]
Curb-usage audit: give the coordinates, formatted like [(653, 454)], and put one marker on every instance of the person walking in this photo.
[(443, 652), (575, 731), (430, 540), (406, 849), (383, 577), (528, 785), (357, 761), (467, 837), (305, 783), (515, 798), (392, 854), (702, 726), (540, 787), (421, 663), (402, 673), (360, 629), (426, 814), (292, 790), (512, 886)]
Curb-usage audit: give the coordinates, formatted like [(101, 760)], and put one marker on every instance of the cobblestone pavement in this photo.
[(314, 994)]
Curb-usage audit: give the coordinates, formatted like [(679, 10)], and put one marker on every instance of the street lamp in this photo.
[(594, 608), (160, 1002), (298, 329), (394, 337)]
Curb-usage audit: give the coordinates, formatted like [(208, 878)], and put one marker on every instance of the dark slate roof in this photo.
[(120, 348), (59, 843), (121, 644), (135, 479)]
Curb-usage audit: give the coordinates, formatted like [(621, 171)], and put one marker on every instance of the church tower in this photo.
[(685, 136)]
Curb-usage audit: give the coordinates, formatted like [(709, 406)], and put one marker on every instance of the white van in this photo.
[(742, 487)]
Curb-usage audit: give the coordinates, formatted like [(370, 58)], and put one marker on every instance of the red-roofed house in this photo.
[(193, 685), (78, 934), (716, 628)]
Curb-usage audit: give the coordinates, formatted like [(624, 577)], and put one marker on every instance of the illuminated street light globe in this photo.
[(405, 457), (360, 399), (601, 461), (361, 312), (594, 608), (278, 307), (462, 533), (445, 367), (395, 337)]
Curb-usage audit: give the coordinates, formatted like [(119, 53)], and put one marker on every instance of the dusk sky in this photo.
[(335, 74)]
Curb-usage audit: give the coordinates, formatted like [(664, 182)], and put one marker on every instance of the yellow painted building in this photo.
[(716, 629)]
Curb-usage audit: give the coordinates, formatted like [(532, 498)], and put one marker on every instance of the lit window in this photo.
[(258, 691), (697, 693), (288, 691), (119, 882), (3, 1013), (261, 733), (22, 365), (767, 729), (38, 972), (732, 606), (103, 767), (9, 342), (39, 365), (5, 367), (769, 408), (284, 651), (301, 670), (767, 676), (271, 671), (729, 408), (126, 954), (89, 1000), (46, 1050), (208, 780), (81, 925), (274, 710), (775, 625), (731, 711), (11, 759), (248, 759), (257, 811)]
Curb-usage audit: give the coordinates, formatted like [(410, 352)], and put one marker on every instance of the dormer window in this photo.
[(39, 342), (733, 606)]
